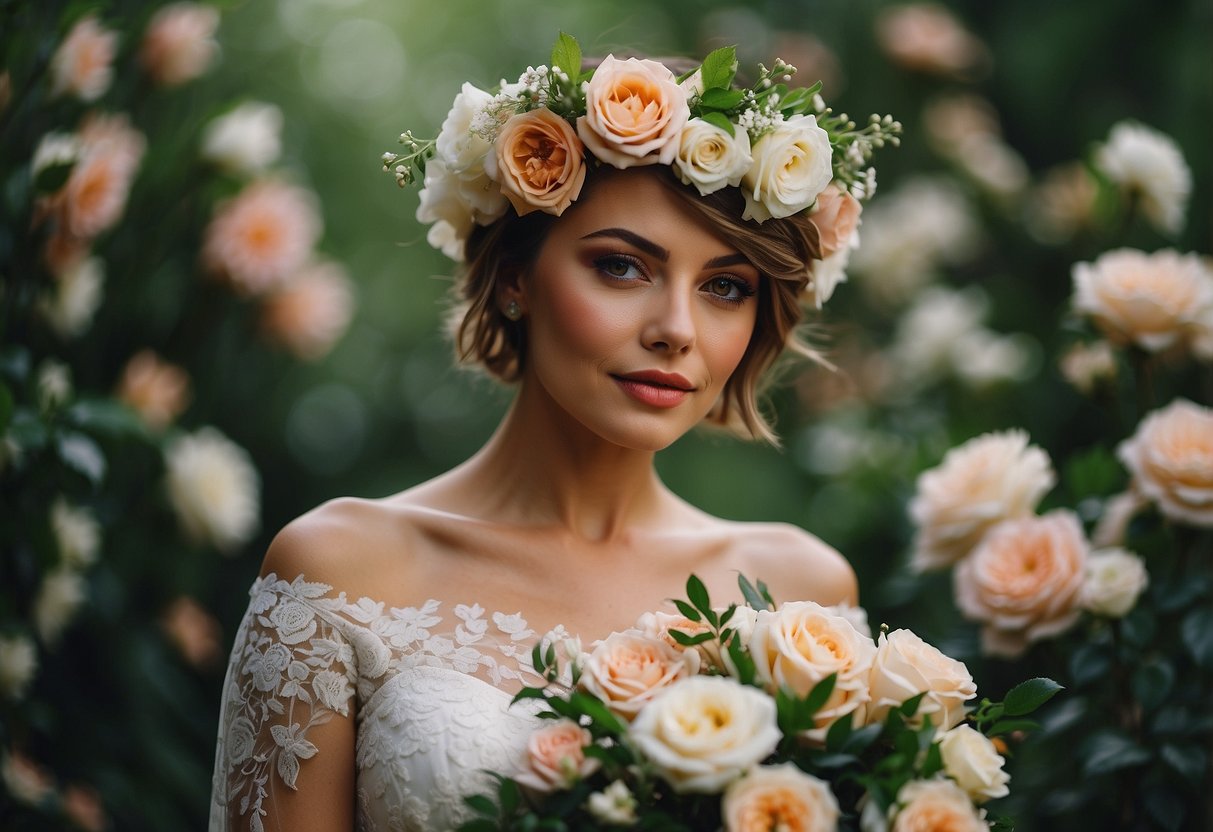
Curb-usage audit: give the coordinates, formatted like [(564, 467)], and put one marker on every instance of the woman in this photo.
[(630, 302)]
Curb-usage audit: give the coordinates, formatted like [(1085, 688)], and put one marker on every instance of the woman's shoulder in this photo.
[(794, 563)]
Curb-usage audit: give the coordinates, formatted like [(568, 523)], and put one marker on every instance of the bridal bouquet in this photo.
[(757, 717)]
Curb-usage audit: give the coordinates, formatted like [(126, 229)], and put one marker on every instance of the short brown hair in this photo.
[(781, 249)]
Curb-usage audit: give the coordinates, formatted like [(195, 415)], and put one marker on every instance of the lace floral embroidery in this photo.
[(303, 653)]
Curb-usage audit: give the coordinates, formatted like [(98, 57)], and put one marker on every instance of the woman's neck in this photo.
[(543, 468)]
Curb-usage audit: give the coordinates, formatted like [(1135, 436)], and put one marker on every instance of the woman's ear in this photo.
[(511, 294)]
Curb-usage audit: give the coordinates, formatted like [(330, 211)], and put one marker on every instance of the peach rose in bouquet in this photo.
[(906, 666), (635, 112), (627, 670), (932, 805), (1171, 459), (779, 797), (555, 757)]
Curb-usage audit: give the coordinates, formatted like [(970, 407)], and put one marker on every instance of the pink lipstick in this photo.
[(655, 388)]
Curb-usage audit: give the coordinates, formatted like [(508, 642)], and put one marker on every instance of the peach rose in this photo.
[(970, 758), (779, 797), (539, 162), (157, 390), (262, 236), (179, 43), (193, 631), (906, 666), (555, 757), (936, 806), (635, 112), (83, 805), (1171, 459), (658, 625), (926, 37), (791, 168), (83, 64), (800, 644), (704, 732), (94, 196), (311, 312), (24, 779), (837, 219), (1024, 581), (1151, 300), (988, 479), (626, 670)]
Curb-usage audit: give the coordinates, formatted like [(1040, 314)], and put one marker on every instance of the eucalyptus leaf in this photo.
[(1167, 807), (1027, 696), (592, 707), (105, 416)]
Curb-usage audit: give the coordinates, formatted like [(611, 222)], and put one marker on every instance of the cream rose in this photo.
[(705, 731), (933, 805), (635, 112), (906, 666), (971, 759), (1171, 459), (539, 162), (614, 805), (988, 479), (555, 757), (779, 797), (1115, 579), (836, 216), (711, 158), (791, 167), (1023, 582), (628, 669), (1149, 163), (658, 625), (801, 644), (1151, 300)]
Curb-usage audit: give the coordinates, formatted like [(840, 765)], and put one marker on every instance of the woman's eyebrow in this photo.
[(632, 238), (737, 259)]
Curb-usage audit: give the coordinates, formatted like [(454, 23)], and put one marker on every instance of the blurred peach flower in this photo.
[(539, 162), (311, 312), (555, 757), (936, 806), (24, 779), (193, 631), (1088, 366), (951, 120), (1151, 300), (1171, 459), (1023, 583), (94, 197), (83, 64), (986, 480), (260, 238), (155, 389), (83, 806), (179, 44), (836, 216), (1062, 204), (926, 37), (779, 797)]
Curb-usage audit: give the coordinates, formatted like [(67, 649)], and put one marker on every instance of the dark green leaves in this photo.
[(1027, 696)]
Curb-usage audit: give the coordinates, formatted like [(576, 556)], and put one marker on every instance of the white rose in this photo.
[(18, 662), (70, 307), (1115, 579), (214, 489), (266, 668), (906, 666), (241, 739), (61, 593), (710, 158), (800, 644), (971, 759), (779, 797), (614, 805), (77, 533), (627, 670), (245, 141), (791, 167), (1142, 160), (459, 148), (332, 690), (705, 731), (462, 154)]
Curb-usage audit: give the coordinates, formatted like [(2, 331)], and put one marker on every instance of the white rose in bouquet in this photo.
[(905, 666), (970, 758)]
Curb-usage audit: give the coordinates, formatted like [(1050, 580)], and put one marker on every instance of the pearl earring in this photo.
[(513, 311)]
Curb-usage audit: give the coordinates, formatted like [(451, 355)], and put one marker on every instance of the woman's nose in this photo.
[(671, 324)]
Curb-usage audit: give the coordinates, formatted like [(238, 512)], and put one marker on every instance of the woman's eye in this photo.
[(618, 267), (731, 289)]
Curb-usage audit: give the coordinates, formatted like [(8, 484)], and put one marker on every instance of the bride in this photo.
[(617, 273)]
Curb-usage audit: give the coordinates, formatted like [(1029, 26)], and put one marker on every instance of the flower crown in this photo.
[(528, 145)]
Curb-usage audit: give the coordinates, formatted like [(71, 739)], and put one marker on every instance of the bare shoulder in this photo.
[(796, 565), (344, 542)]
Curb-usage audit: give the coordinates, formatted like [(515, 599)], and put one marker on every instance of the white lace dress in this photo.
[(429, 688)]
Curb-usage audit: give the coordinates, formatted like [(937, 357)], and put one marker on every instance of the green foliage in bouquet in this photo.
[(603, 763)]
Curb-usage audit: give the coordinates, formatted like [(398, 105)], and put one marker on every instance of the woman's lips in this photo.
[(655, 390)]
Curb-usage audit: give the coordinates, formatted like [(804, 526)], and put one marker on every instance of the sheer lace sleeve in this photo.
[(293, 667)]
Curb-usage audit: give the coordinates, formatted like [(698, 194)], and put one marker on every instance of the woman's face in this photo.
[(636, 313)]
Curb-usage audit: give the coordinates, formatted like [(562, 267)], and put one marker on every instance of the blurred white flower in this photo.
[(76, 294), (82, 66), (981, 357), (54, 384), (1114, 581), (923, 345), (77, 533), (614, 805), (214, 488), (24, 779), (1087, 365), (54, 149), (994, 165), (1149, 164), (18, 663), (311, 312), (245, 141), (61, 594)]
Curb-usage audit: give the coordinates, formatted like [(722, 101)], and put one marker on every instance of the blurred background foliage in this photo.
[(118, 706)]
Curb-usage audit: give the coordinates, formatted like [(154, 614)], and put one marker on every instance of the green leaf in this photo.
[(1167, 807), (592, 707), (566, 54), (529, 693), (52, 177), (687, 610), (820, 694), (838, 734), (719, 67), (910, 706), (718, 99), (689, 640), (510, 796), (862, 739), (1007, 726), (481, 805), (1094, 472), (6, 406), (721, 121), (1138, 627), (727, 615), (479, 825), (795, 101), (1110, 751), (766, 594), (1090, 663), (1188, 759), (1152, 683), (1197, 634), (698, 594), (105, 416), (27, 430), (82, 454), (1030, 695), (751, 595)]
